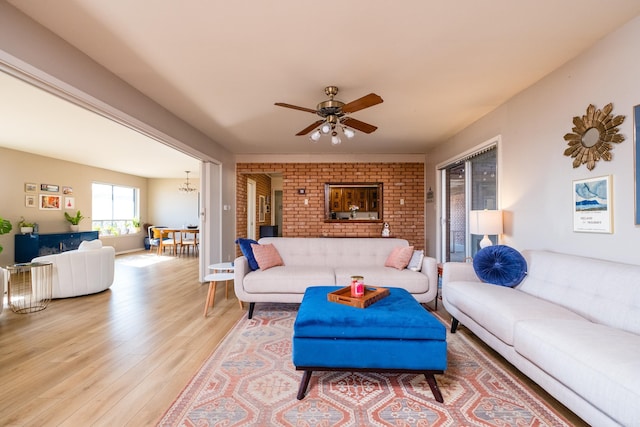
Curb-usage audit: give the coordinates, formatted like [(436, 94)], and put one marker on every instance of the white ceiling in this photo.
[(221, 65)]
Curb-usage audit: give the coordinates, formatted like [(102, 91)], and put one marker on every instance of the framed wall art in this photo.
[(30, 200), (592, 205), (30, 187), (50, 202), (67, 190), (261, 208), (69, 202), (50, 188)]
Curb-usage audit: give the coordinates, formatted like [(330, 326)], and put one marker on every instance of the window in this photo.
[(114, 209)]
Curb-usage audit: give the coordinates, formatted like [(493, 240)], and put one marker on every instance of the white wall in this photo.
[(536, 177), (169, 207)]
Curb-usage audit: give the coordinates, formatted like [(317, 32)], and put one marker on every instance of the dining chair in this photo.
[(188, 240), (169, 239), (154, 238)]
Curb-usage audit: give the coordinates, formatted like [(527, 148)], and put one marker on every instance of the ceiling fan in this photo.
[(334, 113)]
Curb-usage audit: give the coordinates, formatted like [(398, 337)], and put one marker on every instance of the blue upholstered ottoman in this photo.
[(396, 334)]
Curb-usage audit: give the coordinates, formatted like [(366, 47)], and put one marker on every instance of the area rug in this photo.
[(249, 380)]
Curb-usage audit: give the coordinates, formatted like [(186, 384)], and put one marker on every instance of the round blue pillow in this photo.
[(500, 265)]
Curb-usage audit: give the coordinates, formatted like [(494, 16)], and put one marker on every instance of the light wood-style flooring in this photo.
[(121, 357), (116, 358)]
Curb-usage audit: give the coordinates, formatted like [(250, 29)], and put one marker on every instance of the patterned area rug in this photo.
[(249, 380)]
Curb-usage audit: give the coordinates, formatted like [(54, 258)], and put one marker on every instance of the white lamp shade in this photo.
[(485, 222)]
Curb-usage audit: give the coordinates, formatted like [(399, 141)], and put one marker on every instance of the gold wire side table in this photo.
[(30, 286)]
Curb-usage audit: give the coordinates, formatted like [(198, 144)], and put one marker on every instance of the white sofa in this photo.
[(572, 326), (86, 270), (330, 261)]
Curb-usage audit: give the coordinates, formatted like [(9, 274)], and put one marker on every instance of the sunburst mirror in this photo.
[(593, 135)]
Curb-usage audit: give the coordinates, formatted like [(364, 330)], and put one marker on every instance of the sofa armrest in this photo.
[(430, 269), (458, 272), (240, 269)]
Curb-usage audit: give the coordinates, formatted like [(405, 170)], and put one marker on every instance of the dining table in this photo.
[(174, 237)]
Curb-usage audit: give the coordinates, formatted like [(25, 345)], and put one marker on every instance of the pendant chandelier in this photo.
[(186, 187)]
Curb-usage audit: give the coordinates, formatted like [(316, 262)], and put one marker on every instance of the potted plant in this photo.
[(136, 225), (25, 226), (74, 220), (5, 227)]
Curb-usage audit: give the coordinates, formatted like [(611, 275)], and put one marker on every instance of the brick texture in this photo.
[(400, 181)]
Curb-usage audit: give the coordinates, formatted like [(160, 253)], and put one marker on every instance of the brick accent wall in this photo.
[(400, 181)]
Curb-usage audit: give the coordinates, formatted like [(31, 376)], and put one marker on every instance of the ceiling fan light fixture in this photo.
[(334, 114), (349, 133), (325, 128), (315, 136)]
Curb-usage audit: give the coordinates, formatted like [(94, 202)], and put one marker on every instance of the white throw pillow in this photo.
[(90, 245), (415, 263)]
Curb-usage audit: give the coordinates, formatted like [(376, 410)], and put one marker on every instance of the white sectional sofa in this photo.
[(572, 326), (330, 261), (86, 270)]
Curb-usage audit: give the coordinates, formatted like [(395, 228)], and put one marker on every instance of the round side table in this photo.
[(30, 286), (213, 280)]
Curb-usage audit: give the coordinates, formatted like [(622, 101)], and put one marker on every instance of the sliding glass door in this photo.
[(469, 183)]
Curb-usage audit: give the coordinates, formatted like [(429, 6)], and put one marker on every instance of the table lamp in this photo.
[(485, 223)]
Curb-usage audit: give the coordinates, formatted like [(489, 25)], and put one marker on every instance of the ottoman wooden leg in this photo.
[(433, 385), (304, 384)]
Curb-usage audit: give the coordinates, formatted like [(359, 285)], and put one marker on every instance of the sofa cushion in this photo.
[(580, 284), (287, 279), (498, 308), (334, 252), (247, 251), (500, 265), (415, 263), (267, 256), (414, 282), (598, 361), (399, 257)]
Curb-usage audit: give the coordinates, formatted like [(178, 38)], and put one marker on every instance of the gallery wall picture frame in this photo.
[(636, 162), (261, 208), (67, 190), (593, 205), (50, 202), (69, 202), (30, 187), (51, 188), (30, 200)]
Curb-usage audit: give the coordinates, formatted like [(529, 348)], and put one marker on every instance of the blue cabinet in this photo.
[(29, 246)]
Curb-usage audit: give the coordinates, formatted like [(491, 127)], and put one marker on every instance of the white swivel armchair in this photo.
[(87, 270)]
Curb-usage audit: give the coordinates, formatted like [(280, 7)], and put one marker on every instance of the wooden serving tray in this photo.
[(371, 295)]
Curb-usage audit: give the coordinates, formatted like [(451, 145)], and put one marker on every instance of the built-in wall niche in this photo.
[(353, 201)]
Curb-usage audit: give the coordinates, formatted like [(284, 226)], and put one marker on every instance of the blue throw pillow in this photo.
[(500, 265), (245, 247)]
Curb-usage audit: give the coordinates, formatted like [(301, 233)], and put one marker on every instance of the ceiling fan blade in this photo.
[(309, 128), (362, 103), (295, 107), (357, 124)]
